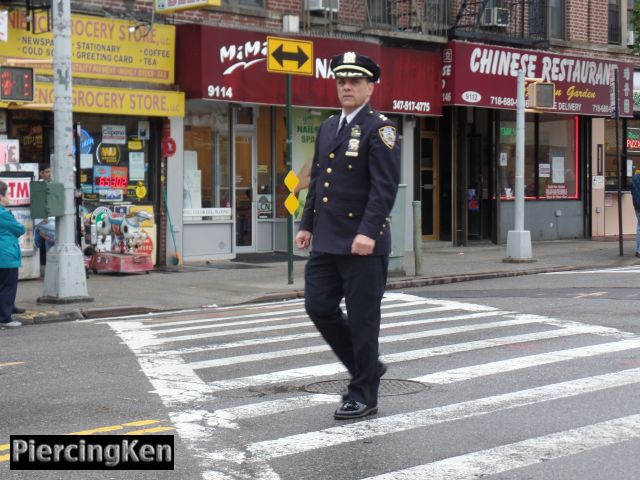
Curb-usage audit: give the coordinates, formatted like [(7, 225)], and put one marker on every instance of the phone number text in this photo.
[(412, 106)]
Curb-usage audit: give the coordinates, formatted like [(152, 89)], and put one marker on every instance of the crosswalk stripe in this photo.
[(258, 357), (302, 336), (227, 417), (331, 437), (525, 453), (152, 340), (335, 368), (502, 366), (402, 313)]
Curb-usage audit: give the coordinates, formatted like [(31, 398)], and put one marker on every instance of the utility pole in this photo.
[(519, 239), (65, 279)]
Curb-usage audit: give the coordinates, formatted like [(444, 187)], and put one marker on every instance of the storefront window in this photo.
[(207, 170), (306, 123), (114, 159), (551, 165), (507, 155), (558, 164), (633, 150), (631, 146), (265, 171)]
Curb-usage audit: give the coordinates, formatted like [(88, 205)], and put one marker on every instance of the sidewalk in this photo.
[(258, 277)]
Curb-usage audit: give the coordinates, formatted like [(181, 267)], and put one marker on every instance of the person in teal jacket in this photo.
[(10, 259)]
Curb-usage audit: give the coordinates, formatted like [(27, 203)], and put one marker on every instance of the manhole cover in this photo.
[(388, 387)]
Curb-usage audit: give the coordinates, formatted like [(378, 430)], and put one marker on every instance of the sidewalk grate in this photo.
[(388, 387)]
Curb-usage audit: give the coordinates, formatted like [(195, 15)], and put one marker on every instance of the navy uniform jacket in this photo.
[(354, 180)]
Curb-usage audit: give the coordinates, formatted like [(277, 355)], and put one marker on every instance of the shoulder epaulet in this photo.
[(379, 115)]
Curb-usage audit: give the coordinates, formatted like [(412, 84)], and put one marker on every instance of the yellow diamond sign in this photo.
[(291, 203), (291, 180)]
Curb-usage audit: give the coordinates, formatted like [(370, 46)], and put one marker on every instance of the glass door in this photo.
[(429, 186), (245, 201)]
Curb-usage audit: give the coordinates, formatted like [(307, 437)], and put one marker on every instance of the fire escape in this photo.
[(508, 22)]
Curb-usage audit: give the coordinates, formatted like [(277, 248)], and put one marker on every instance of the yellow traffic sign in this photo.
[(291, 203), (288, 55), (291, 180)]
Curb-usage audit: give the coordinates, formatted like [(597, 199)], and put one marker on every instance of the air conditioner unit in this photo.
[(322, 5), (495, 17), (631, 38)]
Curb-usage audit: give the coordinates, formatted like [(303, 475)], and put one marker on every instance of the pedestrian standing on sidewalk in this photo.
[(635, 195), (354, 181), (10, 259)]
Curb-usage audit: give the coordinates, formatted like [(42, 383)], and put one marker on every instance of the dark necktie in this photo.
[(342, 125)]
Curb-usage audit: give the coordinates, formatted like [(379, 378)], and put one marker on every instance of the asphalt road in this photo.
[(534, 377)]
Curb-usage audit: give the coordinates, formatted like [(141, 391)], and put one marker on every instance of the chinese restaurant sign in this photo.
[(101, 48), (231, 65), (486, 75)]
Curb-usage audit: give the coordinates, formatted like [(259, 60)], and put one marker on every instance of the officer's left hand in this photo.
[(362, 245)]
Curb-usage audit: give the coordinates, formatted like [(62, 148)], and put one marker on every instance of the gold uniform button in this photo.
[(350, 214), (325, 199), (381, 233), (326, 184), (384, 225), (350, 167), (388, 219), (332, 155), (317, 164), (314, 210), (329, 170)]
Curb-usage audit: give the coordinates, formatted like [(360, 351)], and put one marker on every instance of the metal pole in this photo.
[(417, 235), (519, 200), (519, 239), (289, 163), (619, 160), (65, 279)]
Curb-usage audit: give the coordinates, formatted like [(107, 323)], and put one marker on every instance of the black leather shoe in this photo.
[(382, 368), (353, 409), (18, 309), (637, 254)]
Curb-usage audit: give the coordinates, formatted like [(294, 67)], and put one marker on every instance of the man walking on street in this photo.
[(635, 194), (354, 180)]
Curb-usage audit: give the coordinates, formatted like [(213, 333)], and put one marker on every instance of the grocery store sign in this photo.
[(101, 48), (113, 101)]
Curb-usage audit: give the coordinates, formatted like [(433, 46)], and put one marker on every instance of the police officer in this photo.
[(354, 180)]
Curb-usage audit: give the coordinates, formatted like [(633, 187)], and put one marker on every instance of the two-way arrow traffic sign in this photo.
[(286, 55)]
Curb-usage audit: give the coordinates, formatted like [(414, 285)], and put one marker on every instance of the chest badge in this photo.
[(388, 136), (354, 142)]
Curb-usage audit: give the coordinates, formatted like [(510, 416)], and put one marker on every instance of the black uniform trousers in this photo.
[(360, 279), (8, 291)]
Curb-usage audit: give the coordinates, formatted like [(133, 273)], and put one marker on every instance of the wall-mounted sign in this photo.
[(170, 6), (633, 140), (230, 65), (103, 48), (485, 76), (9, 151), (115, 101)]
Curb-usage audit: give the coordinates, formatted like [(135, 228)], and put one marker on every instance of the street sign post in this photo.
[(291, 57)]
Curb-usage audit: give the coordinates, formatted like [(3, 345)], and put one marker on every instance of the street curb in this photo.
[(426, 281), (35, 317)]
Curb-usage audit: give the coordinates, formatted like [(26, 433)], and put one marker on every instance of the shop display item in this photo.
[(117, 240)]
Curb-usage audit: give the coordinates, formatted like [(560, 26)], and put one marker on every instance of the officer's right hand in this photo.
[(303, 239)]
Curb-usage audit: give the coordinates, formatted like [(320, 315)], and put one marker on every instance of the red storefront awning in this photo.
[(230, 65), (485, 75)]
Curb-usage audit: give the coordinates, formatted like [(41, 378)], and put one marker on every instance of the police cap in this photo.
[(354, 65)]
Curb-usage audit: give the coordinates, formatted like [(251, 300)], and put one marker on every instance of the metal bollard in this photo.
[(417, 235)]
